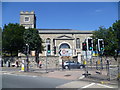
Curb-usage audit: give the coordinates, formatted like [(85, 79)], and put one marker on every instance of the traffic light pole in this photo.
[(46, 56), (101, 62), (91, 62), (86, 48), (86, 65), (86, 68)]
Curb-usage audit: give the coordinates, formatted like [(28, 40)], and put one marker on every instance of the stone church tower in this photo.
[(28, 19)]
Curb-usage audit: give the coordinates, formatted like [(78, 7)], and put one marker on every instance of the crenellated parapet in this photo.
[(27, 12)]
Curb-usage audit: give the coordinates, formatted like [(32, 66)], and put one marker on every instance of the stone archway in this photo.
[(64, 46)]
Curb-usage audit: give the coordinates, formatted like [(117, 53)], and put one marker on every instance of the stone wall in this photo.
[(53, 61), (111, 60)]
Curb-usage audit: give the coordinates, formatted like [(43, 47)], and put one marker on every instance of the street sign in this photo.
[(95, 53), (65, 52), (89, 54)]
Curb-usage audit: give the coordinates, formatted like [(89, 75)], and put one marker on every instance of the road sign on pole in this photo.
[(89, 54), (65, 52)]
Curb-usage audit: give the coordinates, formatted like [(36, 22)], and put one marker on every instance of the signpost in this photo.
[(65, 55)]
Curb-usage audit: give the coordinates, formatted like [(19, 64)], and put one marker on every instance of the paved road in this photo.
[(26, 81), (23, 81), (47, 81), (83, 84)]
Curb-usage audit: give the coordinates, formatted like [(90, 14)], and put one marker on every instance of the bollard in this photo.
[(23, 66)]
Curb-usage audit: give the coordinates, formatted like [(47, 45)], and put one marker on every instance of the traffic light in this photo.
[(48, 48), (100, 44), (90, 44), (54, 50), (84, 46)]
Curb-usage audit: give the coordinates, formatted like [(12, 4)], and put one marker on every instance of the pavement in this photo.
[(74, 74)]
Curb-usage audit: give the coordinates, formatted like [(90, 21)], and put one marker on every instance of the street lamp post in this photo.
[(27, 57)]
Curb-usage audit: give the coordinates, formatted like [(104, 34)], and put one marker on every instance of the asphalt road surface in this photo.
[(23, 81), (26, 81)]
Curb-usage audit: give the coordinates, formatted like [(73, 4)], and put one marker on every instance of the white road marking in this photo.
[(5, 73), (34, 76), (10, 74), (81, 77), (104, 86), (88, 85), (20, 75)]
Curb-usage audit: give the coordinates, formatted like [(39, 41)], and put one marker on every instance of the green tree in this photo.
[(110, 37), (111, 42), (99, 34), (12, 38), (0, 41), (116, 28), (32, 38)]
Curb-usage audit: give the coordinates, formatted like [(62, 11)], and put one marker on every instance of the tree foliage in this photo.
[(12, 38), (116, 28), (0, 41), (15, 38), (111, 37), (32, 38)]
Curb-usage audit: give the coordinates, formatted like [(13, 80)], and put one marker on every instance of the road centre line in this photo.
[(104, 86), (88, 85)]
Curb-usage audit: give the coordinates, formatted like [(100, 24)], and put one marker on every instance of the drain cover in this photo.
[(67, 75)]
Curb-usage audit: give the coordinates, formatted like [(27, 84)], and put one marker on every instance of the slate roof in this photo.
[(63, 31)]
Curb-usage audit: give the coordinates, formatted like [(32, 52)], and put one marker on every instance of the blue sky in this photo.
[(64, 15)]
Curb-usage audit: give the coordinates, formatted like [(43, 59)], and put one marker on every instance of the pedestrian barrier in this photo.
[(113, 73)]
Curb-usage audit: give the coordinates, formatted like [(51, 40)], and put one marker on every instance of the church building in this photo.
[(64, 43)]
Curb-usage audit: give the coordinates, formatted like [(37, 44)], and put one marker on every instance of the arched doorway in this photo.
[(64, 52)]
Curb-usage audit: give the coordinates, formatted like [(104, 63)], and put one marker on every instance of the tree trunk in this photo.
[(11, 53), (37, 56)]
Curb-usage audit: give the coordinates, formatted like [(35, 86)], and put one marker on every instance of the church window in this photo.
[(77, 43), (48, 40), (64, 45), (27, 19)]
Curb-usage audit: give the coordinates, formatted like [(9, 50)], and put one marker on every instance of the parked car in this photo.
[(72, 64)]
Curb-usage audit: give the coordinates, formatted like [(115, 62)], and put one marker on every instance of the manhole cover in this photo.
[(67, 75)]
